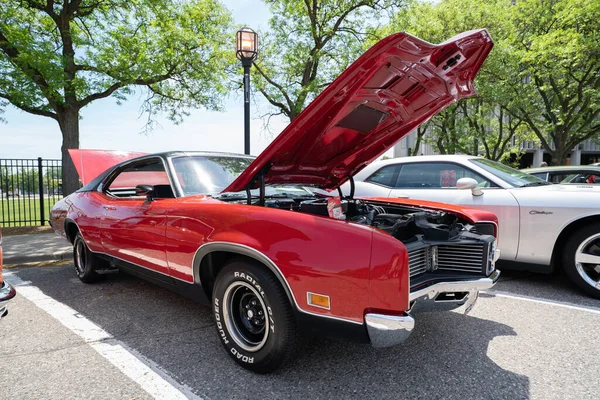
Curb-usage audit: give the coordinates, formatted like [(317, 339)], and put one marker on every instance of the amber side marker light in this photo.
[(318, 300)]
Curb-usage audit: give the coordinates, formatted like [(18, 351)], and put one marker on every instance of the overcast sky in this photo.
[(105, 125)]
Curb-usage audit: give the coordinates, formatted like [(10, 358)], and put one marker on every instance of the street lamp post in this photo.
[(246, 52)]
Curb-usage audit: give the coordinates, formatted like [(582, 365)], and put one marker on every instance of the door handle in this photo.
[(109, 207)]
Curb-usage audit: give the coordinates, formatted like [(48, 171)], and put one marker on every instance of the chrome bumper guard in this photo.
[(7, 292), (390, 330), (446, 296)]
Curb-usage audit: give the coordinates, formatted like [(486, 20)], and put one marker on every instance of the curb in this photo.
[(53, 257)]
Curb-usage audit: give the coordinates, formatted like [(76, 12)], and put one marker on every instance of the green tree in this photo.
[(29, 180), (555, 46), (542, 77), (57, 57), (5, 182), (475, 125), (308, 44)]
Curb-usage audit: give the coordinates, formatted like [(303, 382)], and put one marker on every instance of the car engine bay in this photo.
[(434, 239)]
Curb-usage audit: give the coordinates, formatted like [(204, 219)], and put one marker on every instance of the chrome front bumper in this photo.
[(446, 296), (7, 292), (390, 330)]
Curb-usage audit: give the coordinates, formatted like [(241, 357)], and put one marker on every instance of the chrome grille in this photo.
[(460, 257), (418, 260)]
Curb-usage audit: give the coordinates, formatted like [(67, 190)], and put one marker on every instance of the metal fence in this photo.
[(28, 190)]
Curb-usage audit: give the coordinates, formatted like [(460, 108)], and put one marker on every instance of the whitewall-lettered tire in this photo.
[(253, 316)]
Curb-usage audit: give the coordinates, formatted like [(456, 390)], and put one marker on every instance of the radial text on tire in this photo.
[(253, 316)]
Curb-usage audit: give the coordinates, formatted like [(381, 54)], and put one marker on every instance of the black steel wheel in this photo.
[(246, 316), (253, 316), (85, 261)]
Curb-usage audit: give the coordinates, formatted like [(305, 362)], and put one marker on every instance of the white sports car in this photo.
[(541, 225)]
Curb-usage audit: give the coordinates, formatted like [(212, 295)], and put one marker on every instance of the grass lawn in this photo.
[(24, 211)]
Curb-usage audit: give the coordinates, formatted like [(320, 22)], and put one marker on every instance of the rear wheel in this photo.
[(581, 259), (85, 261), (253, 316)]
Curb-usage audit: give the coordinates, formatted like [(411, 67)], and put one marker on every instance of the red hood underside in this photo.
[(394, 87)]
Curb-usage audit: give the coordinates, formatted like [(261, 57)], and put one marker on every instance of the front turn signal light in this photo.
[(318, 300)]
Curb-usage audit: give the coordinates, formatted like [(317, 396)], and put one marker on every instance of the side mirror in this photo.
[(469, 183), (145, 190)]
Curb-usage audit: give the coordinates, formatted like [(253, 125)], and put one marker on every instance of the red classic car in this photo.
[(266, 242), (7, 292)]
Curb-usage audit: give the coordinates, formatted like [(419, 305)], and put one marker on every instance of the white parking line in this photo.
[(543, 301), (144, 372)]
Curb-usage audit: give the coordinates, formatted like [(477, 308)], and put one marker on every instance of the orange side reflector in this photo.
[(318, 300)]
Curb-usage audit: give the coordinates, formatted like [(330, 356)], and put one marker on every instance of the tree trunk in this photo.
[(558, 158), (559, 155), (69, 126), (420, 133)]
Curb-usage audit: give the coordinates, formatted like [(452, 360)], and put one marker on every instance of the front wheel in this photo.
[(581, 259), (254, 317)]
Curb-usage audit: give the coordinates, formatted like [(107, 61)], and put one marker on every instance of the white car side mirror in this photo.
[(469, 183)]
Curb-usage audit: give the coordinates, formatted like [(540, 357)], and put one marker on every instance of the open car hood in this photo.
[(394, 87)]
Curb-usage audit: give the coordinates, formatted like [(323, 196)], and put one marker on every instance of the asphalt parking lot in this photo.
[(534, 336)]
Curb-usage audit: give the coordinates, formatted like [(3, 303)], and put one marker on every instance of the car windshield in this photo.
[(509, 175), (207, 174)]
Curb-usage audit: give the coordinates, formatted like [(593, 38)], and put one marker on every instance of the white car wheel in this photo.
[(587, 260), (581, 259)]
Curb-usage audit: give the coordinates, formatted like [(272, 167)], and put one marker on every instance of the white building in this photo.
[(587, 152)]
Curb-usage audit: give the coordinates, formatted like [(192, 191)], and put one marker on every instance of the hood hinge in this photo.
[(352, 188), (261, 181)]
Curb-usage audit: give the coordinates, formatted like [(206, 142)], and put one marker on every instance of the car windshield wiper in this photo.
[(540, 183)]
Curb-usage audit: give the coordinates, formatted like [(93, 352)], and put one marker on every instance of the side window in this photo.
[(385, 176), (436, 175), (149, 172), (582, 178), (557, 178), (541, 175)]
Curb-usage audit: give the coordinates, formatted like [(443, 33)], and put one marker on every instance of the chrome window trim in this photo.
[(177, 186), (114, 173), (207, 248), (170, 158)]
